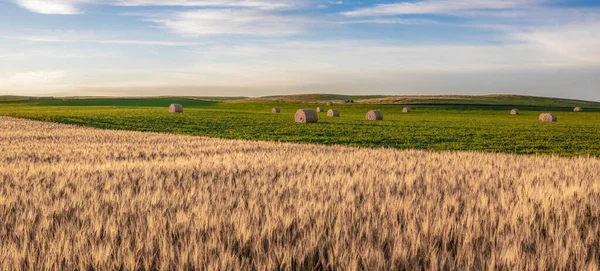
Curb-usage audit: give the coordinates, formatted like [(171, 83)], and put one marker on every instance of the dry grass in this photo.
[(79, 198)]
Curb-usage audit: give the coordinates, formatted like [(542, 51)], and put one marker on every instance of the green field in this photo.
[(443, 123)]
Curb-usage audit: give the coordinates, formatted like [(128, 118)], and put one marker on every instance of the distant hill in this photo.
[(12, 98), (458, 100), (200, 98), (483, 100), (312, 98), (517, 100)]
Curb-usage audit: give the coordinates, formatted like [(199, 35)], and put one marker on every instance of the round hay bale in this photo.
[(374, 115), (320, 109), (176, 108), (65, 100), (306, 116), (330, 103), (333, 113), (514, 112), (406, 110), (547, 117), (275, 110), (577, 109)]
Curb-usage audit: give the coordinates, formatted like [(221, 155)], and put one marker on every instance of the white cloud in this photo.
[(230, 21), (216, 17), (63, 7), (438, 7)]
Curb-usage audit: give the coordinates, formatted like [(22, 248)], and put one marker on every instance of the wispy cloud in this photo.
[(70, 7), (356, 57), (579, 41), (149, 42), (438, 7), (75, 39), (262, 4), (230, 21), (26, 79), (387, 21)]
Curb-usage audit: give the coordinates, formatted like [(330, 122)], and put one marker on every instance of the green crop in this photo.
[(472, 127)]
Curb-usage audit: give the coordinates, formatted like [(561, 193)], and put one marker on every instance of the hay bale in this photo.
[(65, 100), (330, 103), (514, 112), (406, 110), (333, 113), (577, 109), (320, 109), (275, 110), (374, 115), (306, 116), (176, 108), (547, 117)]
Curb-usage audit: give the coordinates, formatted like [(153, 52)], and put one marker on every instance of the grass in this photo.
[(437, 127), (73, 198)]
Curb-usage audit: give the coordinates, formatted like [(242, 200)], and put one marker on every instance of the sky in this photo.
[(273, 47)]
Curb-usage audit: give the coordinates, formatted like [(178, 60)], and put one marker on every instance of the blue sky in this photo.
[(267, 47)]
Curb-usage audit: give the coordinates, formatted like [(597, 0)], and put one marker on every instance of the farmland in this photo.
[(480, 123), (90, 199)]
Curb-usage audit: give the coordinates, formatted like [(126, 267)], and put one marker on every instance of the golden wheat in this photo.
[(81, 198)]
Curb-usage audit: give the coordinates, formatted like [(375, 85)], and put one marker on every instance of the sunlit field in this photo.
[(82, 198), (457, 124)]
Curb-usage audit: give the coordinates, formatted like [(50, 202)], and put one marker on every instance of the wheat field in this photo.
[(88, 199)]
